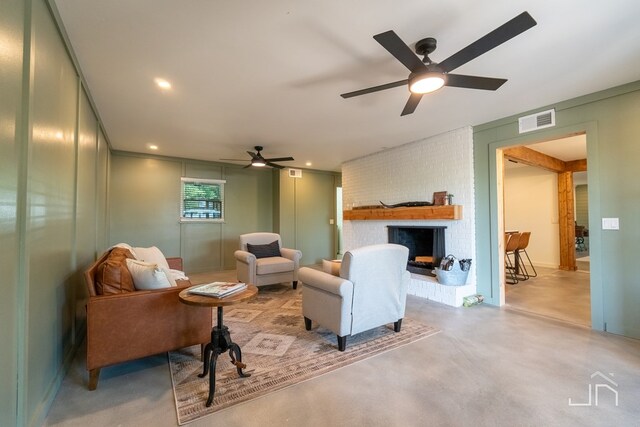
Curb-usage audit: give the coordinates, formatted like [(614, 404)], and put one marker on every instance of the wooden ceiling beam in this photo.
[(531, 157), (576, 166)]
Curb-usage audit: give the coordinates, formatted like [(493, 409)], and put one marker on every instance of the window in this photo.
[(202, 200)]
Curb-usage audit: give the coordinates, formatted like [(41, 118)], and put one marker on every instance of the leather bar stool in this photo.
[(511, 267), (522, 249)]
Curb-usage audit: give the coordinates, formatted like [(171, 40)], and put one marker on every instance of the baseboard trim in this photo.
[(42, 410)]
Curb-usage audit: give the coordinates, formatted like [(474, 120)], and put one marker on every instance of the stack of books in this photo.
[(218, 289)]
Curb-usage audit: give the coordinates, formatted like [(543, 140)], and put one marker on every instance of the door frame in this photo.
[(590, 129)]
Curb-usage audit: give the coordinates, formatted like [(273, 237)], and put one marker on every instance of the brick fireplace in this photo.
[(426, 246), (413, 172)]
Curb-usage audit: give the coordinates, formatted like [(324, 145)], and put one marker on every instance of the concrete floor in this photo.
[(562, 295), (488, 367)]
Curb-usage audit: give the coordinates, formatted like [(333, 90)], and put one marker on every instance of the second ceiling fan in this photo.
[(427, 76), (259, 161)]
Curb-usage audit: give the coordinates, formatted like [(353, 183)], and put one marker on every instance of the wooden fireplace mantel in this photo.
[(416, 213)]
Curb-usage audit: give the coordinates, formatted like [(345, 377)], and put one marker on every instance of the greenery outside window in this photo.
[(202, 200)]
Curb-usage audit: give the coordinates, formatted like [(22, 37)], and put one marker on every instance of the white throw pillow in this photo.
[(170, 276), (151, 255), (147, 276)]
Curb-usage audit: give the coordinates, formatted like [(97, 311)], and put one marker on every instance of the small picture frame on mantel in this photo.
[(440, 198)]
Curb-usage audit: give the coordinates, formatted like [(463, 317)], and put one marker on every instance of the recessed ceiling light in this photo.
[(162, 83), (152, 147), (308, 163)]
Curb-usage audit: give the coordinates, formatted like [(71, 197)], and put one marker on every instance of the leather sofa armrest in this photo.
[(326, 282), (175, 263)]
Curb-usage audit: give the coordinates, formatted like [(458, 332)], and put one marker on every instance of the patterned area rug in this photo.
[(278, 351)]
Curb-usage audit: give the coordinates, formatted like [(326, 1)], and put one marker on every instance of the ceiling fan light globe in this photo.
[(258, 163), (426, 83)]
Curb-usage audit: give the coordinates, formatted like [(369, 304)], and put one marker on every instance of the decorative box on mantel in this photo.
[(452, 212)]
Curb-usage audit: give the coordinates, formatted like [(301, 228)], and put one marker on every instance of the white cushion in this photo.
[(147, 276), (174, 275), (151, 255)]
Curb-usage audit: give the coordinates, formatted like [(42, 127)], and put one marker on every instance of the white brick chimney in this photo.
[(413, 172)]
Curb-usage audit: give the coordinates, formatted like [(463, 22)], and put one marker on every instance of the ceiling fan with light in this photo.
[(258, 161), (427, 76)]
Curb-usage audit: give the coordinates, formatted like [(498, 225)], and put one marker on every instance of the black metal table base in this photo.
[(220, 342)]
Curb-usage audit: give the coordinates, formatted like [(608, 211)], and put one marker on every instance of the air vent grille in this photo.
[(295, 173), (541, 120)]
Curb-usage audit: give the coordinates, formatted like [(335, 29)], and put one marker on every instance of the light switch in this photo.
[(610, 223), (331, 221)]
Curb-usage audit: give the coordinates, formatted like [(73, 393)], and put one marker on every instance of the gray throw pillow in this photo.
[(265, 251)]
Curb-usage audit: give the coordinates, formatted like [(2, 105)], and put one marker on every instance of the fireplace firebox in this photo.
[(426, 246)]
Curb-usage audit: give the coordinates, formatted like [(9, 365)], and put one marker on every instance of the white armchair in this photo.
[(371, 291), (261, 262)]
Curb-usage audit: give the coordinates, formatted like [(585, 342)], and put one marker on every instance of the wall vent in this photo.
[(295, 173), (541, 120)]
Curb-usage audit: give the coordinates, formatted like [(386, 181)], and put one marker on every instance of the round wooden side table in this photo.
[(220, 337)]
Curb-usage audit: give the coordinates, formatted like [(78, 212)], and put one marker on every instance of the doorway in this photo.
[(539, 199)]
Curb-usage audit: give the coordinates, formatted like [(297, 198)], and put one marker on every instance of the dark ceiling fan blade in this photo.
[(273, 165), (411, 104), (235, 160), (503, 33), (253, 155), (375, 89), (403, 53), (474, 82), (280, 159)]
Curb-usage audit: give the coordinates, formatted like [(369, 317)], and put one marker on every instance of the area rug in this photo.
[(278, 351)]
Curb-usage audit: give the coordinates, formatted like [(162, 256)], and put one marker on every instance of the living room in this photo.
[(71, 189)]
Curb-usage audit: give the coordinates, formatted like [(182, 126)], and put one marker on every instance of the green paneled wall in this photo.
[(48, 199), (143, 193), (609, 119), (315, 207), (250, 199), (305, 207), (50, 208), (11, 44), (103, 158), (86, 219), (145, 200), (145, 205)]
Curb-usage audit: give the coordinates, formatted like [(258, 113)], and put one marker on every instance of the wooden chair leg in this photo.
[(94, 374), (397, 325), (342, 343)]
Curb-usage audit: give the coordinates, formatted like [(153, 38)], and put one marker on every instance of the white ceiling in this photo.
[(270, 73), (565, 149)]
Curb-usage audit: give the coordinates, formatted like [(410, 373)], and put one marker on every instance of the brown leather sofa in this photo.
[(130, 325)]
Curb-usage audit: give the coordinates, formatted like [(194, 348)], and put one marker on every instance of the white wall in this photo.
[(531, 204), (413, 172)]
